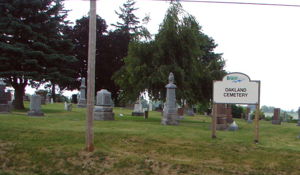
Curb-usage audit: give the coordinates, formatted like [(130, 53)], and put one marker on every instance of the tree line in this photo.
[(38, 45)]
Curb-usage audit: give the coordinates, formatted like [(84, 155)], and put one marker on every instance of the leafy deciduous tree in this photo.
[(179, 47)]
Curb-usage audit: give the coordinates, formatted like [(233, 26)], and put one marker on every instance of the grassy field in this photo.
[(54, 145)]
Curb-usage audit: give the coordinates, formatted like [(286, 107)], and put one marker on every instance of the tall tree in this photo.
[(128, 29), (32, 47), (179, 47)]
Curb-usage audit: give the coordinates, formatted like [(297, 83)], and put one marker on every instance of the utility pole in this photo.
[(91, 78)]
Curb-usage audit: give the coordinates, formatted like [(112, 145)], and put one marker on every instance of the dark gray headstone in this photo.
[(103, 109), (276, 117)]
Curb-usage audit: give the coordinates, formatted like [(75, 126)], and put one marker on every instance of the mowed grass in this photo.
[(54, 145)]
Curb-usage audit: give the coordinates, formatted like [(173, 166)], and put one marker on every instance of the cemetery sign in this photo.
[(236, 88)]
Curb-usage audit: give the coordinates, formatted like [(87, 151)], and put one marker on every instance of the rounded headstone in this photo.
[(103, 98)]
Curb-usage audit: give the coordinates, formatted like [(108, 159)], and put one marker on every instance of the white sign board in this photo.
[(236, 88)]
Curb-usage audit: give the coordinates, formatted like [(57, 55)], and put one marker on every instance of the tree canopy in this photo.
[(179, 47), (32, 46)]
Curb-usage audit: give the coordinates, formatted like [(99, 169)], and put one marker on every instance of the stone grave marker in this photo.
[(221, 123), (82, 98), (170, 116), (35, 106), (4, 105), (228, 113), (47, 99), (103, 109), (248, 115), (233, 126), (276, 117), (138, 108)]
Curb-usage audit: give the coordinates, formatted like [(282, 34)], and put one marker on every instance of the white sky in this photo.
[(260, 41)]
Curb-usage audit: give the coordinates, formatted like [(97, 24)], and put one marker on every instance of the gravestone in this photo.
[(42, 94), (138, 108), (180, 113), (69, 107), (51, 101), (103, 109), (189, 111), (228, 111), (248, 115), (170, 110), (233, 126), (4, 105), (298, 124), (66, 105), (276, 117), (221, 123), (47, 99), (35, 106), (82, 98)]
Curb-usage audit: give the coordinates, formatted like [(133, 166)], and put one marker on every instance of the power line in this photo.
[(236, 3), (220, 2)]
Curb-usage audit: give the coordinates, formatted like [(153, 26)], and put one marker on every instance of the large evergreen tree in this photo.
[(32, 47), (179, 47)]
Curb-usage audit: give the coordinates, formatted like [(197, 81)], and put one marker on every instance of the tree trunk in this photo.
[(19, 93), (53, 92)]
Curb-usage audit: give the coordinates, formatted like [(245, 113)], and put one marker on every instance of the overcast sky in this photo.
[(260, 41)]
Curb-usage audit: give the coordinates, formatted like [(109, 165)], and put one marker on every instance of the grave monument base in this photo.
[(35, 113), (4, 108), (81, 103), (276, 122), (103, 113), (137, 114), (221, 126), (170, 119)]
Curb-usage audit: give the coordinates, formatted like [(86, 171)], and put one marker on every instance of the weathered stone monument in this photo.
[(4, 106), (276, 117), (228, 111), (298, 124), (138, 108), (170, 111), (103, 109), (42, 94), (35, 106), (82, 98), (221, 123)]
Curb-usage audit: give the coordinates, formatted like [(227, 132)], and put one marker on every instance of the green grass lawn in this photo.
[(54, 145)]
